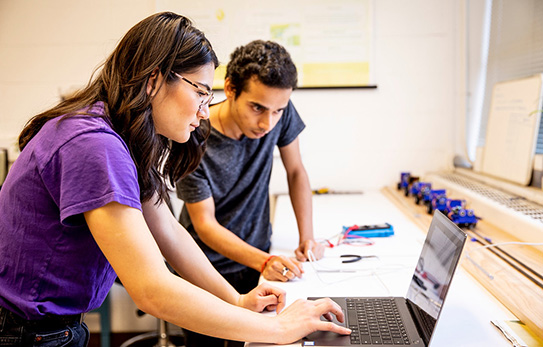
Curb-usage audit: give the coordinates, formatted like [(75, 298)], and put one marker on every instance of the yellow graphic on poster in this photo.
[(287, 35), (219, 14), (218, 80), (336, 75)]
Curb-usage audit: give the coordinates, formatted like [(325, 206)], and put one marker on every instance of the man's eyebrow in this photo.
[(267, 108), (282, 108), (259, 105)]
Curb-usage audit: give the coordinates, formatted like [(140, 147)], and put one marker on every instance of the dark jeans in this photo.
[(15, 331), (243, 281)]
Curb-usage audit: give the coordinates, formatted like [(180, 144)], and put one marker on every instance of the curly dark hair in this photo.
[(267, 60), (165, 40)]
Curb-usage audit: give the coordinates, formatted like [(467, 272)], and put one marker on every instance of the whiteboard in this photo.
[(513, 125), (330, 41)]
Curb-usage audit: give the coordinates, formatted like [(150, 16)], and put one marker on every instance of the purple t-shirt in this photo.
[(49, 261)]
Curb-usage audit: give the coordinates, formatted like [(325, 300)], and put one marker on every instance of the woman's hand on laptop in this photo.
[(303, 317), (263, 297)]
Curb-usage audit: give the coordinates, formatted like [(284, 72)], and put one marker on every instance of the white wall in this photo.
[(50, 47), (356, 139), (362, 139)]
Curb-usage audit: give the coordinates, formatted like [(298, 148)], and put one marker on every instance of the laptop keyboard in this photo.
[(379, 322), (426, 323)]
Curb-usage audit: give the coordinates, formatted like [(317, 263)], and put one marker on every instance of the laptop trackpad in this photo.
[(327, 338)]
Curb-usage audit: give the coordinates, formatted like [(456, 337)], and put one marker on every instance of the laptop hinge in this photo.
[(424, 323)]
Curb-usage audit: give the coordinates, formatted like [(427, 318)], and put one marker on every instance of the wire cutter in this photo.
[(354, 257)]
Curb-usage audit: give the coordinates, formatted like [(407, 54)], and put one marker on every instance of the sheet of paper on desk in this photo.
[(524, 335), (518, 333)]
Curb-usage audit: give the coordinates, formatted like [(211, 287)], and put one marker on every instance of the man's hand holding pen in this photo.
[(281, 268)]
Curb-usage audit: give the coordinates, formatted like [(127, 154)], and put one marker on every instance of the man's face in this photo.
[(258, 108)]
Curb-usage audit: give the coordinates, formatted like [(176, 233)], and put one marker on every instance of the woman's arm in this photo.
[(183, 253), (186, 257), (123, 236)]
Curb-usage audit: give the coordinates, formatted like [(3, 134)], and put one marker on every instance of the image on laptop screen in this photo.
[(435, 268)]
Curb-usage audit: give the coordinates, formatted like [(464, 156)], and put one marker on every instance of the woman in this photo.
[(85, 203)]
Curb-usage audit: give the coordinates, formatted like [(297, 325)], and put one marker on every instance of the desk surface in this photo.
[(468, 309)]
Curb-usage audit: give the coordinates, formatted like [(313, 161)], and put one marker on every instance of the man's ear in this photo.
[(153, 82), (229, 90)]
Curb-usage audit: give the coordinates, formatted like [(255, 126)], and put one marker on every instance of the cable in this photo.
[(489, 241), (482, 269), (346, 237), (360, 272), (382, 282)]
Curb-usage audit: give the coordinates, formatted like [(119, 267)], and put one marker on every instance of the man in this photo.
[(227, 198)]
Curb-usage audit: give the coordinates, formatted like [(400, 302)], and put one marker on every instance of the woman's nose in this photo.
[(203, 111)]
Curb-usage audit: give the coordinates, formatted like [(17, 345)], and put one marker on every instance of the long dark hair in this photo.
[(164, 40)]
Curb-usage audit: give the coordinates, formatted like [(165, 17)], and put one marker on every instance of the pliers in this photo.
[(355, 257)]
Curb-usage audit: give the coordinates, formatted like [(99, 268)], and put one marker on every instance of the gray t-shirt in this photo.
[(237, 174)]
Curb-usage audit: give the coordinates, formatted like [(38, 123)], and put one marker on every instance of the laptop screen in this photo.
[(437, 263)]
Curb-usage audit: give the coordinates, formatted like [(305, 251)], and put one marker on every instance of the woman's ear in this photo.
[(153, 82)]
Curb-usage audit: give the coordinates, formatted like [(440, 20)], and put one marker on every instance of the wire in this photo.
[(360, 272), (346, 237), (508, 243), (483, 270), (353, 239), (479, 238), (382, 282)]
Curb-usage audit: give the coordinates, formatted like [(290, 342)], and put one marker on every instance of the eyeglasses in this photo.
[(206, 95)]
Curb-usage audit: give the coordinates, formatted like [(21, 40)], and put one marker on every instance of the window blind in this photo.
[(515, 49)]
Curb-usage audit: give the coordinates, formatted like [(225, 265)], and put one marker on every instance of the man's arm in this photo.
[(300, 197), (182, 252), (225, 242)]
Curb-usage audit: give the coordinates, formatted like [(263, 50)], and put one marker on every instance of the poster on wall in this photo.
[(513, 125), (331, 42)]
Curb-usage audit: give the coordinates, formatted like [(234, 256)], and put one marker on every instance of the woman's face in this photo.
[(176, 106)]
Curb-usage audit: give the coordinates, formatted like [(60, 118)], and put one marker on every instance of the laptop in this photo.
[(409, 321)]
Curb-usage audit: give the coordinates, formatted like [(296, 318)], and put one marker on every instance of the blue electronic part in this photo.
[(375, 230), (419, 189), (461, 216), (438, 200), (404, 182)]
